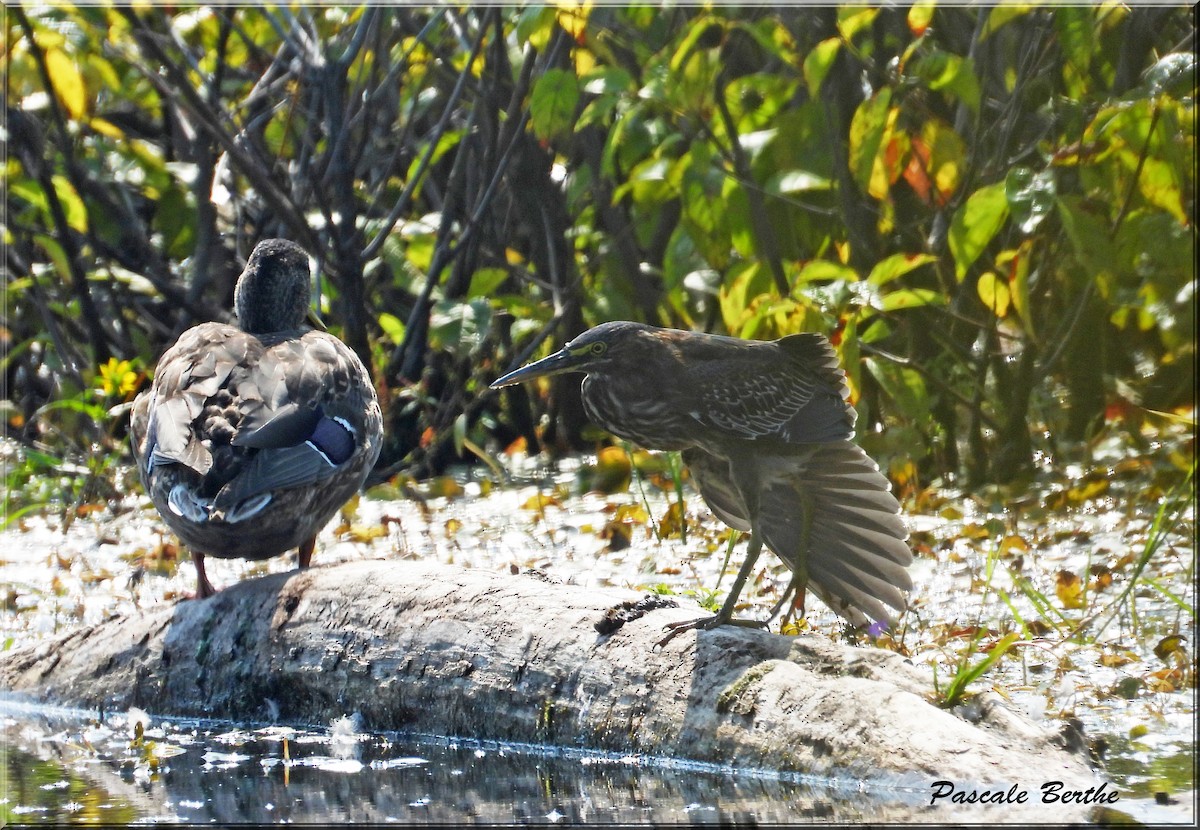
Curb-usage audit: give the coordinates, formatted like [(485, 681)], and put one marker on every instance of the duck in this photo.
[(253, 435)]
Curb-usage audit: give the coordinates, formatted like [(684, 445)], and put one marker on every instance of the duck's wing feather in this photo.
[(252, 415)]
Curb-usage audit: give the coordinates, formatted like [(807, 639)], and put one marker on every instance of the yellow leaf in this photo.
[(573, 18), (1013, 543), (1170, 645), (585, 61), (107, 128), (1069, 588), (919, 17), (540, 501), (68, 82), (362, 533), (995, 293)]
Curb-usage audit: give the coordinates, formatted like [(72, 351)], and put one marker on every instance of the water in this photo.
[(64, 766)]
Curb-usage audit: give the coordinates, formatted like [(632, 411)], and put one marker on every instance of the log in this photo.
[(425, 648)]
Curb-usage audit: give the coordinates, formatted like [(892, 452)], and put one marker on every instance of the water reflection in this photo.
[(64, 767)]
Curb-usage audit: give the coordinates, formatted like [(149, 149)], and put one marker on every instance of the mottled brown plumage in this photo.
[(252, 436), (765, 428)]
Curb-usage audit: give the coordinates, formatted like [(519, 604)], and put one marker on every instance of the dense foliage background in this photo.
[(991, 211)]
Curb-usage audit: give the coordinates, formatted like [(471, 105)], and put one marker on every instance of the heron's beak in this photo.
[(557, 363)]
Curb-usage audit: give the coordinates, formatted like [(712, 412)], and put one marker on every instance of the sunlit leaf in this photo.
[(486, 281), (392, 326), (897, 265), (868, 129), (945, 71), (68, 82), (994, 293), (705, 32), (920, 14), (552, 104), (1170, 646), (1005, 13), (854, 19), (535, 26), (540, 501), (1160, 186), (1068, 587), (1174, 73), (818, 63), (573, 17), (910, 298), (72, 205), (1030, 196), (974, 225)]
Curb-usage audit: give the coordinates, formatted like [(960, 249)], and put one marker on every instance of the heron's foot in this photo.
[(795, 609), (705, 624)]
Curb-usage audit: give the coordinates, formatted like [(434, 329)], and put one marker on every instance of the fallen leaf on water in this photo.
[(360, 533), (1069, 588), (1171, 646), (540, 501)]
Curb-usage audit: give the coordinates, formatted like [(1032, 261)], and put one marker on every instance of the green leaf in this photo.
[(486, 281), (854, 19), (897, 265), (1173, 74), (818, 63), (867, 130), (966, 676), (706, 31), (920, 15), (796, 181), (552, 104), (71, 203), (459, 327), (904, 386), (910, 298), (944, 71), (1030, 196), (535, 26), (607, 80), (974, 225), (824, 269), (1004, 13), (1088, 234)]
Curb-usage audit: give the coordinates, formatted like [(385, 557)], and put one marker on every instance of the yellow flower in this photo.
[(118, 377)]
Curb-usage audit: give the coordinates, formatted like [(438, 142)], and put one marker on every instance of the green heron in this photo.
[(765, 428), (252, 436)]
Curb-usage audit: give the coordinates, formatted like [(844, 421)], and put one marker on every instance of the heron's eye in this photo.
[(598, 347)]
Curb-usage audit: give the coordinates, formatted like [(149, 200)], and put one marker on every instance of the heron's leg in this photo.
[(204, 588), (306, 551), (725, 615), (798, 586)]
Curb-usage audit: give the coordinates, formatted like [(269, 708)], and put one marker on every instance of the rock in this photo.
[(427, 648)]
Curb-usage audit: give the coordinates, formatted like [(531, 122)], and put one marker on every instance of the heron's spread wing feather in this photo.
[(856, 551)]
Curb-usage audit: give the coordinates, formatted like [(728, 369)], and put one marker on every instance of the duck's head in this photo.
[(273, 293)]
